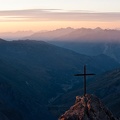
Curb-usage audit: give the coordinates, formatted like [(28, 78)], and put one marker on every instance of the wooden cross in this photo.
[(84, 74)]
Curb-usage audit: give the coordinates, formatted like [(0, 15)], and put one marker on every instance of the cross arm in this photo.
[(83, 74)]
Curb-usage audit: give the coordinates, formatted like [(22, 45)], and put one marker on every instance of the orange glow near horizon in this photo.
[(18, 15), (51, 25)]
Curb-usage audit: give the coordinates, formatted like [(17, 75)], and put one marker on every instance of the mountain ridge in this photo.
[(67, 34), (80, 34)]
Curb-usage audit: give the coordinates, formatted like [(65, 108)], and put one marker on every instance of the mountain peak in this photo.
[(98, 29), (87, 107)]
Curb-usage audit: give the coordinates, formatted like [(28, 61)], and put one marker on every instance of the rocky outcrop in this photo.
[(88, 107)]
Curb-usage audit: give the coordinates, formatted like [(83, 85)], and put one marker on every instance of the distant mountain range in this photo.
[(15, 35), (50, 35), (33, 74), (66, 34), (85, 41), (81, 35)]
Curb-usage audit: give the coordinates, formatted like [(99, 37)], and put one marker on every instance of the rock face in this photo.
[(87, 108)]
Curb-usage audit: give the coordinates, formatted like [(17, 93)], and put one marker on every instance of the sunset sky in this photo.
[(36, 15)]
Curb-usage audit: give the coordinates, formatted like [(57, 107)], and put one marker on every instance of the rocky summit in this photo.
[(88, 107)]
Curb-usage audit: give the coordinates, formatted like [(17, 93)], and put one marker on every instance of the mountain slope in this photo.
[(34, 73), (93, 48), (105, 86)]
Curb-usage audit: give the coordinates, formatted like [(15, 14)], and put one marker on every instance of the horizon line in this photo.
[(44, 30)]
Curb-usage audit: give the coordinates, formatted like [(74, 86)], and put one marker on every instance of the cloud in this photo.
[(56, 15)]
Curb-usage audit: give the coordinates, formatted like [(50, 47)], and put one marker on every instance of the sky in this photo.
[(37, 15)]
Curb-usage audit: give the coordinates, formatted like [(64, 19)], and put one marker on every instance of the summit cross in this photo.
[(84, 74)]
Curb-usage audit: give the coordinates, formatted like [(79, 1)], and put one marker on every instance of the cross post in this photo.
[(84, 74)]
